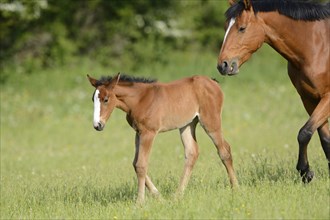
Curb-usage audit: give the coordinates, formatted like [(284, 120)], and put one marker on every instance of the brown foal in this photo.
[(154, 107)]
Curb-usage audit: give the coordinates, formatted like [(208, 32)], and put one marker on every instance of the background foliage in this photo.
[(46, 33)]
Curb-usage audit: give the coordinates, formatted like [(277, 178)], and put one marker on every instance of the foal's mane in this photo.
[(125, 78), (295, 9)]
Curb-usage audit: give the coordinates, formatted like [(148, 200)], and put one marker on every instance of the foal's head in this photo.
[(104, 100)]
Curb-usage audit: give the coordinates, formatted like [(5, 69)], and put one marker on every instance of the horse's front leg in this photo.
[(143, 143), (319, 116)]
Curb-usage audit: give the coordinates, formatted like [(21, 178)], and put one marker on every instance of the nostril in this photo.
[(99, 125), (224, 64), (234, 65), (223, 67)]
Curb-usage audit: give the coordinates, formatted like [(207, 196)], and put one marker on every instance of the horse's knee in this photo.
[(304, 136), (140, 169)]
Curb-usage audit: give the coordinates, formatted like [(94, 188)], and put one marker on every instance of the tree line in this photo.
[(44, 33)]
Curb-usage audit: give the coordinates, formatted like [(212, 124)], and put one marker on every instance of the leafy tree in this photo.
[(45, 33)]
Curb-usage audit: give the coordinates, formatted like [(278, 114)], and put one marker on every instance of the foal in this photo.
[(153, 107)]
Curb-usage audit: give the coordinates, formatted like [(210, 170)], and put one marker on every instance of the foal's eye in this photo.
[(241, 29), (106, 100)]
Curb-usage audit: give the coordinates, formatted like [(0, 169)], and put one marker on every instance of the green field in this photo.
[(54, 165)]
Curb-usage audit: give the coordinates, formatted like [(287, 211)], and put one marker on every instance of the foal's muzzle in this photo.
[(228, 67), (99, 126)]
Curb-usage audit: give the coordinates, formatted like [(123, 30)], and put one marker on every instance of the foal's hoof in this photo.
[(307, 176)]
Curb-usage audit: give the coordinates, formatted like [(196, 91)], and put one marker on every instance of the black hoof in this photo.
[(307, 176)]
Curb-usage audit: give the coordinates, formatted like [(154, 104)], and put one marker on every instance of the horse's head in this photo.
[(244, 35), (104, 100)]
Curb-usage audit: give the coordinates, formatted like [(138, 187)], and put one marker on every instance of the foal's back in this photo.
[(177, 103)]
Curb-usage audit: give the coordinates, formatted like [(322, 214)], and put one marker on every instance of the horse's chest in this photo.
[(306, 85)]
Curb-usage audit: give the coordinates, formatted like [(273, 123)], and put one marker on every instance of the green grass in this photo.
[(55, 165)]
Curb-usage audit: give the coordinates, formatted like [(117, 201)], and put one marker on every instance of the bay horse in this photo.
[(152, 107), (300, 32)]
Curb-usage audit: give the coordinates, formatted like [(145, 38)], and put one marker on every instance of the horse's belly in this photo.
[(177, 120)]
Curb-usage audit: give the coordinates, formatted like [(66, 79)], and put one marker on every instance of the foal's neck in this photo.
[(129, 94)]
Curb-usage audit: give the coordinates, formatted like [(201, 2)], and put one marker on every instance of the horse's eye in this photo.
[(106, 100), (242, 29)]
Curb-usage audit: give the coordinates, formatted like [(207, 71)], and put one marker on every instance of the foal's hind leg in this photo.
[(212, 127), (151, 187), (225, 154), (319, 116), (188, 138)]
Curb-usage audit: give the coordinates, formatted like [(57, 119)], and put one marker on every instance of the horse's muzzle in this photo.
[(99, 126), (228, 67)]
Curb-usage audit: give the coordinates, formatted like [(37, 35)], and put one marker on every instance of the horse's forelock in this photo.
[(235, 10)]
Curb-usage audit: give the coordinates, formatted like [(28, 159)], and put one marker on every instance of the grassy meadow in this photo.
[(54, 165)]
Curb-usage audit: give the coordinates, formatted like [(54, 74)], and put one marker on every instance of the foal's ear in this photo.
[(116, 79), (92, 81), (247, 4)]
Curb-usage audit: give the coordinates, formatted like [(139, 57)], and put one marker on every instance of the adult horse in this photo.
[(300, 32)]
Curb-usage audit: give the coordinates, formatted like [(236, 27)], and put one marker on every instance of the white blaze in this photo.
[(97, 108), (231, 23)]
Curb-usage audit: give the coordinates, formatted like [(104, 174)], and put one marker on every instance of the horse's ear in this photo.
[(247, 4), (92, 81), (232, 2)]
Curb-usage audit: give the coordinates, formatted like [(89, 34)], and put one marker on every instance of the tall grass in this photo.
[(54, 165)]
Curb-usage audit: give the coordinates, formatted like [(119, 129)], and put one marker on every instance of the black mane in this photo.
[(125, 78), (295, 9)]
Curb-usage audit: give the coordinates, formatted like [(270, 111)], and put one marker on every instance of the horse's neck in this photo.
[(128, 95), (290, 38)]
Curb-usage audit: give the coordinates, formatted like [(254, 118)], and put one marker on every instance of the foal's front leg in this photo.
[(143, 143)]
